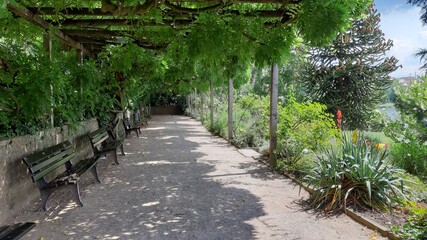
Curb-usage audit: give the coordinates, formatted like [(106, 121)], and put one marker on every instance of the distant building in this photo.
[(406, 80)]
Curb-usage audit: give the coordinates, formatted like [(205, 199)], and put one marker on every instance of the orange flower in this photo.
[(380, 146), (339, 114), (339, 118)]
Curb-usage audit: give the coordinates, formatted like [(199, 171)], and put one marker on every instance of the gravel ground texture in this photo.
[(177, 181)]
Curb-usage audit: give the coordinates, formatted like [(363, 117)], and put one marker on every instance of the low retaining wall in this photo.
[(166, 110), (16, 187)]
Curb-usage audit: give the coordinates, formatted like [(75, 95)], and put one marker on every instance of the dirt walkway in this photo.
[(179, 182)]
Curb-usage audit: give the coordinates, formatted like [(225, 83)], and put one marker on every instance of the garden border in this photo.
[(353, 215)]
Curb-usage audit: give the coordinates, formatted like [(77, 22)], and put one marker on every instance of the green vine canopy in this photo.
[(135, 48)]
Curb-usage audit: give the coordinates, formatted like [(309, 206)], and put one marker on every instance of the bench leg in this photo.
[(137, 134), (121, 149), (44, 195), (115, 156), (94, 171), (74, 188)]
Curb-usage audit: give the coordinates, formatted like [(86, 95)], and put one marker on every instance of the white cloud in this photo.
[(423, 34), (402, 25)]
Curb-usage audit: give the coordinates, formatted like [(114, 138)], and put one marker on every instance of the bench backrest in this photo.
[(97, 137), (49, 159)]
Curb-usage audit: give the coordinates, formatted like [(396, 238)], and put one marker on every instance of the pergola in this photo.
[(90, 26)]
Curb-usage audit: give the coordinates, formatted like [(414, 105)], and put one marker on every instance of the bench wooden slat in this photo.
[(46, 153), (51, 160), (113, 145), (97, 132), (52, 167), (98, 140), (100, 136), (84, 166), (15, 231)]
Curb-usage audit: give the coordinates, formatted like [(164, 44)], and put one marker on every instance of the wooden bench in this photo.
[(42, 164), (136, 127), (15, 231), (102, 143), (140, 119)]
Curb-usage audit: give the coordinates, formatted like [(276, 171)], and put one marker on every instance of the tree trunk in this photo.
[(273, 114), (230, 109)]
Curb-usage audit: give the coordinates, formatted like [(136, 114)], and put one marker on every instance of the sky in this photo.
[(401, 23)]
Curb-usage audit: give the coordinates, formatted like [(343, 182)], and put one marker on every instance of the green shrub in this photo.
[(250, 122), (416, 225), (302, 128), (355, 174), (411, 157)]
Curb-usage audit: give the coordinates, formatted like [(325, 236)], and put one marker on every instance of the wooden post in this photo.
[(190, 98), (196, 111), (47, 44), (189, 104), (202, 106), (230, 109), (212, 104), (273, 113), (80, 61)]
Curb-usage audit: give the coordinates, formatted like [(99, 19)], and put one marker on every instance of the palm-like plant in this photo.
[(422, 54), (355, 174)]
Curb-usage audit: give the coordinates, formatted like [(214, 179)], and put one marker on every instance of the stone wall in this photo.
[(16, 187)]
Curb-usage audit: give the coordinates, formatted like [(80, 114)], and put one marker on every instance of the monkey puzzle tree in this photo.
[(351, 74)]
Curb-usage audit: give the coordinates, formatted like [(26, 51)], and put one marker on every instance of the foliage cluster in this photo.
[(218, 46), (302, 128), (250, 117), (410, 131), (356, 174), (33, 88), (251, 121), (416, 225)]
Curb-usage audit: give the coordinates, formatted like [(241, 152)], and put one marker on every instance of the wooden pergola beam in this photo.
[(95, 41), (99, 12), (136, 9), (38, 21), (120, 22), (97, 33)]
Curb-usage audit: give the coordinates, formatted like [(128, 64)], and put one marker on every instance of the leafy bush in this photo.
[(303, 127), (416, 225), (410, 156), (410, 131), (410, 149), (355, 174), (251, 121), (412, 101)]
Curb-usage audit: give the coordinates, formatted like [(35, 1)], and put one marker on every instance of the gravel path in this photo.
[(177, 181)]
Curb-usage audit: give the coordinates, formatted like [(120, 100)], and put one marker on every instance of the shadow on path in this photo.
[(177, 181)]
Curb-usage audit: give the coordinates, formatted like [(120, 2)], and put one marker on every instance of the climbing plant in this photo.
[(170, 46)]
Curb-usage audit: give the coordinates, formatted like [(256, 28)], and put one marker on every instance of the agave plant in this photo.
[(354, 174)]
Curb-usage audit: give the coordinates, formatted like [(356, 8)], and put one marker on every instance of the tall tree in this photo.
[(351, 74)]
